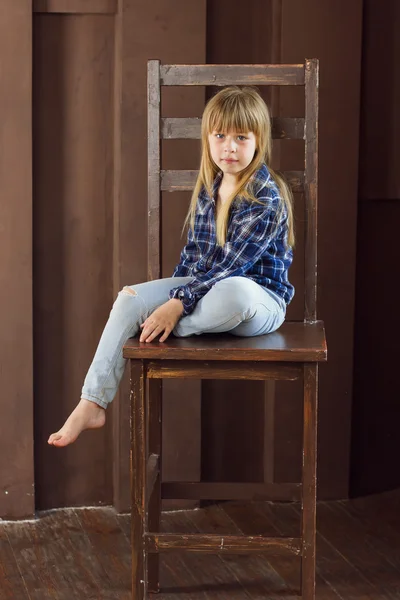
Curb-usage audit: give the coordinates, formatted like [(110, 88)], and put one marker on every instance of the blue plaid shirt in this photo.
[(255, 244)]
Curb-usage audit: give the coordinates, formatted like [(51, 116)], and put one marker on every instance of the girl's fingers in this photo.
[(148, 326), (155, 333), (146, 331), (165, 335)]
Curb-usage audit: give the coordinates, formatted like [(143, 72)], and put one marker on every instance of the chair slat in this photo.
[(153, 166), (232, 74), (223, 490), (171, 369), (311, 180), (213, 543), (290, 128), (180, 181)]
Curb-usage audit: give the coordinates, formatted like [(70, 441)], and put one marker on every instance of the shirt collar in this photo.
[(260, 179)]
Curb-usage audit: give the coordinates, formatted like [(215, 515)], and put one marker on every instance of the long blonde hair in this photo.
[(239, 109)]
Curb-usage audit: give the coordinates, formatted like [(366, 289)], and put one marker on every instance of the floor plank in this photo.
[(86, 554), (378, 518), (348, 537), (110, 547), (55, 560), (332, 568), (11, 582)]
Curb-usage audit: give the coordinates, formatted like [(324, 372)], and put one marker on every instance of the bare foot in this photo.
[(87, 415)]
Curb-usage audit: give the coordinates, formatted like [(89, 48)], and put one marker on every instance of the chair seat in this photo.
[(293, 342)]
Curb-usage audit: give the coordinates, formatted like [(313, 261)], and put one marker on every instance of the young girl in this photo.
[(233, 271)]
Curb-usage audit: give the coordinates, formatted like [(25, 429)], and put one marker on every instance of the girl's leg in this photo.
[(238, 305), (131, 308)]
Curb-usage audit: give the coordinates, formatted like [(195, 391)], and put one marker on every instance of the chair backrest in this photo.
[(189, 128)]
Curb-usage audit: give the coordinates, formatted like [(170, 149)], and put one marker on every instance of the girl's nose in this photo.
[(230, 145)]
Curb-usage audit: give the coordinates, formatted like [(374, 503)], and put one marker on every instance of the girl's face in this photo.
[(232, 151)]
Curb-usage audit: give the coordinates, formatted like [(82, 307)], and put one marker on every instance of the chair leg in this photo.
[(309, 481), (138, 474), (155, 441)]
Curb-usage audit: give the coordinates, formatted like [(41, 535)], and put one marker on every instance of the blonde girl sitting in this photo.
[(233, 271)]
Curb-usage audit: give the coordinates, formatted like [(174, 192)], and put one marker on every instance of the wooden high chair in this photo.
[(292, 352)]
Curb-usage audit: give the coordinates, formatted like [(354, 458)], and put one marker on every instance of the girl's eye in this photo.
[(241, 138)]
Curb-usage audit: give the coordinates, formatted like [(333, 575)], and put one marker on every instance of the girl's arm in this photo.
[(254, 227)]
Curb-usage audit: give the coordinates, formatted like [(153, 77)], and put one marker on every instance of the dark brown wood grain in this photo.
[(373, 520), (50, 543), (11, 582), (209, 370), (336, 574), (17, 498), (86, 7), (154, 474), (203, 490), (289, 128), (293, 342), (99, 7), (371, 554), (309, 471), (311, 189), (232, 74), (86, 553), (138, 481), (180, 181), (83, 474), (153, 173), (211, 543), (112, 551)]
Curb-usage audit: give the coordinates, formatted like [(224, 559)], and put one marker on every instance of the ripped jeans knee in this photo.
[(128, 291)]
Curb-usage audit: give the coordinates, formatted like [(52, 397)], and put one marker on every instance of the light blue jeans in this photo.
[(236, 304)]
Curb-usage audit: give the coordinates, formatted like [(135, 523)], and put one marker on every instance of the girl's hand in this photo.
[(163, 319)]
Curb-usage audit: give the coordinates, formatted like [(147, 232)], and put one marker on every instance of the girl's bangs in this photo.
[(236, 118)]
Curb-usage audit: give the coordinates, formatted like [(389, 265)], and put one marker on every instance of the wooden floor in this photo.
[(85, 554)]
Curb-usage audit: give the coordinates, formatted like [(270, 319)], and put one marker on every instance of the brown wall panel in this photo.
[(375, 439), (16, 403), (173, 32), (89, 239), (90, 174), (380, 116), (312, 28), (376, 413), (73, 236)]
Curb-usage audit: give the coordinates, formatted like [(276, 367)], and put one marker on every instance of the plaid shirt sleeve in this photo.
[(189, 255), (251, 230)]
